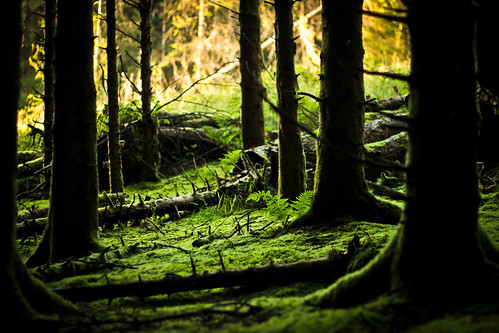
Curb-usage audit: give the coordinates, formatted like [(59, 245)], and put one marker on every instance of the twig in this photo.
[(394, 76), (315, 98), (224, 7)]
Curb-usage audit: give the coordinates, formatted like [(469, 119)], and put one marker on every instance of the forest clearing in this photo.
[(251, 166)]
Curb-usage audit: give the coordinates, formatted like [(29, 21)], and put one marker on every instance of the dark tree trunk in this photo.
[(340, 186), (150, 152), (488, 73), (440, 259), (291, 156), (23, 297), (442, 136), (114, 148), (49, 80), (252, 118), (74, 188)]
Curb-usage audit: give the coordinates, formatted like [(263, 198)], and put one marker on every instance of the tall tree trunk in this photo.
[(114, 148), (440, 257), (252, 117), (73, 220), (291, 156), (150, 152), (49, 81), (340, 186), (488, 73), (23, 297), (443, 136)]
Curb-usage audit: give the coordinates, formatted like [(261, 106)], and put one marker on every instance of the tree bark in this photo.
[(114, 147), (73, 220), (252, 117), (458, 264), (49, 81), (291, 157), (24, 298), (340, 186), (488, 73), (150, 154)]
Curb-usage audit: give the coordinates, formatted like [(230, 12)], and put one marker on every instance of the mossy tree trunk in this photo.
[(114, 148), (49, 81), (291, 156), (73, 220), (440, 257), (251, 63), (24, 298), (340, 186), (149, 126)]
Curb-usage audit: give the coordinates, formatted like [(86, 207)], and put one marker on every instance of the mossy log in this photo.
[(380, 129), (326, 270), (323, 270), (393, 103), (34, 222)]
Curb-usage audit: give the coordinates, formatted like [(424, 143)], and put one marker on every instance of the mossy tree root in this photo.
[(369, 208), (436, 290)]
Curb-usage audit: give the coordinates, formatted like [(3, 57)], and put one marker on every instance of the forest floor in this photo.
[(236, 233), (233, 235)]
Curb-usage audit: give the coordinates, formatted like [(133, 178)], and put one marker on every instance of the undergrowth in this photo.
[(238, 232)]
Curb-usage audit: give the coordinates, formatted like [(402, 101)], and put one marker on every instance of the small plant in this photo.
[(278, 208)]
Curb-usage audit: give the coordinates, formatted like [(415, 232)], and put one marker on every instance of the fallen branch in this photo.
[(323, 270), (394, 103), (34, 223), (326, 270)]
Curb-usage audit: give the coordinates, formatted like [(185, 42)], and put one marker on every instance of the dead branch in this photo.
[(326, 270)]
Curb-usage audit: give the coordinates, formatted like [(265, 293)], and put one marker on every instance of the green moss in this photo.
[(143, 251)]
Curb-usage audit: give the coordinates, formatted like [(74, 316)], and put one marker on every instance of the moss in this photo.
[(150, 254)]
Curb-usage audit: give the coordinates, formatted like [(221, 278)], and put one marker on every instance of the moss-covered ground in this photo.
[(151, 248)]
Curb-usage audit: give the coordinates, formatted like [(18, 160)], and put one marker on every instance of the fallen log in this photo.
[(160, 207), (28, 168), (111, 215), (393, 103), (34, 222), (326, 270), (393, 148), (380, 129)]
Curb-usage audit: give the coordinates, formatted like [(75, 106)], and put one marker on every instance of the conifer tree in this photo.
[(291, 156), (72, 226), (252, 117)]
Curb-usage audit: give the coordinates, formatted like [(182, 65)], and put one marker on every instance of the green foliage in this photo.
[(280, 209)]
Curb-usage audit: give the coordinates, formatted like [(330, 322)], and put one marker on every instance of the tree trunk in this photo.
[(114, 148), (440, 259), (340, 186), (488, 72), (49, 81), (23, 297), (74, 188), (150, 154), (291, 157), (442, 140), (252, 117)]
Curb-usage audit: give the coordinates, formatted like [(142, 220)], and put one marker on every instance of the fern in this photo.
[(302, 204), (275, 206), (278, 207)]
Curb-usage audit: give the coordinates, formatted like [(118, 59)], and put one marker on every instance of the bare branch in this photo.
[(190, 87)]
